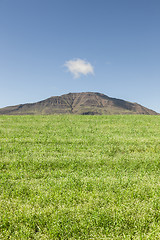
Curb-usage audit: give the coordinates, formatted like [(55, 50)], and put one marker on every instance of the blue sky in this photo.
[(118, 39)]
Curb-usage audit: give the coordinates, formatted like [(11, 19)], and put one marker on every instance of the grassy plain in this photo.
[(79, 177)]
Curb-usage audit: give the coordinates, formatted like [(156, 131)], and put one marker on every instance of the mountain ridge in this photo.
[(83, 103)]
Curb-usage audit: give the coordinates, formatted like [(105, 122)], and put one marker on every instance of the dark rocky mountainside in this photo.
[(85, 103)]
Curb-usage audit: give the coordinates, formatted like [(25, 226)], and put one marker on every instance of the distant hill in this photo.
[(85, 103)]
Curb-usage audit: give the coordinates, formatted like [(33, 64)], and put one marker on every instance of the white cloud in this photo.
[(79, 67)]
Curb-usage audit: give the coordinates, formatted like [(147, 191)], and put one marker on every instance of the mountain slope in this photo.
[(85, 103)]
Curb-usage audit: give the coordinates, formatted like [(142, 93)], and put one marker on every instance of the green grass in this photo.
[(79, 177)]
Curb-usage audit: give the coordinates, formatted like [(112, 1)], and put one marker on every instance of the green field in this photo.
[(79, 177)]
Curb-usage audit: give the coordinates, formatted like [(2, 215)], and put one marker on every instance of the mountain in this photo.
[(85, 103)]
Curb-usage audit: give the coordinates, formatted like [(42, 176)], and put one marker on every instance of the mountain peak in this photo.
[(83, 103)]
